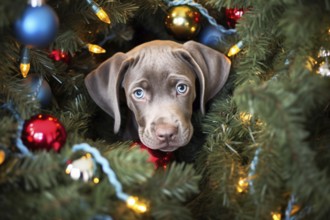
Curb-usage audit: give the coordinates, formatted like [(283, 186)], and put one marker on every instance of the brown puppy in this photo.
[(158, 78)]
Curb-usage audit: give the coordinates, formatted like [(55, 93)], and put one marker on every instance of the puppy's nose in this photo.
[(166, 132)]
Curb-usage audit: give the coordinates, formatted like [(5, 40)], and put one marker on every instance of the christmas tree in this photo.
[(259, 152)]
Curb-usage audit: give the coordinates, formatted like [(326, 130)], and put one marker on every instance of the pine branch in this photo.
[(178, 182), (9, 51), (131, 165), (41, 63), (121, 12), (9, 11), (62, 202), (170, 210), (68, 41), (38, 172)]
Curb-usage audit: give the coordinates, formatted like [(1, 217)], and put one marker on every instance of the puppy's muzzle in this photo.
[(166, 132)]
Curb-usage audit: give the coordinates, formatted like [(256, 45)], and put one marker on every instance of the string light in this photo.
[(276, 216), (96, 180), (20, 122), (25, 61), (245, 117), (95, 48), (99, 12), (235, 49), (2, 156), (82, 168), (133, 203), (242, 185)]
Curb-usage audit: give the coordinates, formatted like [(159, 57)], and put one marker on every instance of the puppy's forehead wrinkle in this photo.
[(136, 59), (156, 48), (155, 59)]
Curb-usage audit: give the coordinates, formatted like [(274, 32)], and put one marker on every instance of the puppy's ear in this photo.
[(103, 85), (212, 69)]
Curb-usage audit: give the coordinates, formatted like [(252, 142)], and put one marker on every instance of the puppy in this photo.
[(159, 79)]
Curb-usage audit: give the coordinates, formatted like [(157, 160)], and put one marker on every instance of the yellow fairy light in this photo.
[(102, 15), (235, 49), (2, 156), (134, 203), (242, 185), (310, 63), (99, 12), (245, 117), (96, 180), (295, 209), (25, 68), (276, 216), (68, 169), (25, 62), (95, 48)]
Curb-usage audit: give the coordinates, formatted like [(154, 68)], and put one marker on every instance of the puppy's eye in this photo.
[(181, 88), (138, 93)]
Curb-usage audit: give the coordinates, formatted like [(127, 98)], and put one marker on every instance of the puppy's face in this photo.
[(161, 98), (159, 81)]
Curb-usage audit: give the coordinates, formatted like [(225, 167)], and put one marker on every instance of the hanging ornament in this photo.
[(83, 168), (233, 15), (37, 26), (43, 132), (183, 22), (60, 55), (39, 89), (157, 157)]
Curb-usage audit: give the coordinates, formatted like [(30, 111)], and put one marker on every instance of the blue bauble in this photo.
[(39, 89), (210, 36), (37, 26)]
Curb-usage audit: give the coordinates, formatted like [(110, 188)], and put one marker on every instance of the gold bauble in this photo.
[(183, 22)]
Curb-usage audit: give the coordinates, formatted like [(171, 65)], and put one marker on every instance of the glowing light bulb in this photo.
[(25, 61), (2, 156), (103, 16), (25, 68), (134, 204), (95, 48), (245, 117), (96, 180), (235, 49), (242, 185), (276, 216), (99, 12)]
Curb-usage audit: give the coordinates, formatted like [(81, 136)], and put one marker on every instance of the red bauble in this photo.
[(43, 132), (59, 55), (232, 16), (157, 157)]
